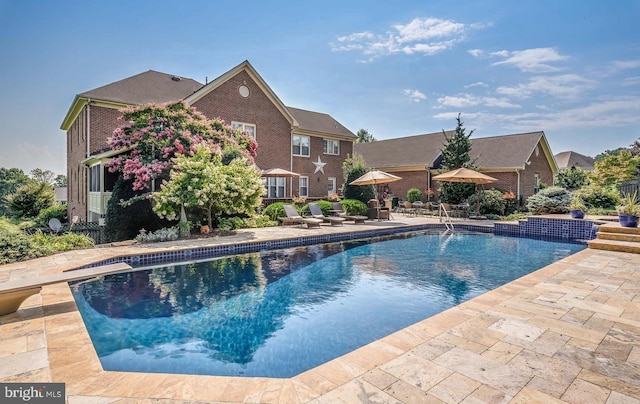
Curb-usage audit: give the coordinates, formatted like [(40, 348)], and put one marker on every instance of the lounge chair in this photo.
[(316, 213), (294, 218), (338, 211)]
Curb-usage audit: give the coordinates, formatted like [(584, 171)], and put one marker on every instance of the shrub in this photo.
[(54, 212), (62, 242), (17, 246), (274, 211), (597, 196), (414, 195), (164, 234), (354, 207), (491, 202), (549, 200), (258, 221), (124, 222)]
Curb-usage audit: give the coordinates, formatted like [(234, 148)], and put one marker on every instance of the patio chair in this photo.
[(376, 212), (316, 213), (294, 218), (338, 211)]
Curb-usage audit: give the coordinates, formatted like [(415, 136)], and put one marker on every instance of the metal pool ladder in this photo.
[(444, 215)]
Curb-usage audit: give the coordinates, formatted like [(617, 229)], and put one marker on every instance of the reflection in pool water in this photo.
[(278, 313)]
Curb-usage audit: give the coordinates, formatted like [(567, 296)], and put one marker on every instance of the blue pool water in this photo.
[(279, 313)]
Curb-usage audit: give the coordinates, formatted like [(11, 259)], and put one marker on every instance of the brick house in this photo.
[(520, 162), (309, 143)]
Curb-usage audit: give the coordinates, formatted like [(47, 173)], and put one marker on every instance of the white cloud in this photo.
[(626, 64), (476, 52), (426, 36), (477, 84), (603, 114), (469, 100), (565, 86), (531, 60), (414, 95)]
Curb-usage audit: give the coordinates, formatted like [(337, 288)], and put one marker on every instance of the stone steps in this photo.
[(613, 237)]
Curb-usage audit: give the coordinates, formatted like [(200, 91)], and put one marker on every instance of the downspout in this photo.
[(518, 183), (86, 191), (291, 166)]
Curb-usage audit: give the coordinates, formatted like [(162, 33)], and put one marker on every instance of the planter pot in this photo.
[(577, 214), (628, 221)]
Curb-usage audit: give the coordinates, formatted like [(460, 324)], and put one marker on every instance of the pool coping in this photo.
[(53, 335)]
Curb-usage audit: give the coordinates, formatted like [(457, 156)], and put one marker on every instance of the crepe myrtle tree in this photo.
[(202, 181), (151, 135)]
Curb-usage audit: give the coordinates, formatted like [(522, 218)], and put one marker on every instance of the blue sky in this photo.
[(568, 68)]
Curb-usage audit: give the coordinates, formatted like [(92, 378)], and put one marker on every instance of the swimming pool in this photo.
[(279, 313)]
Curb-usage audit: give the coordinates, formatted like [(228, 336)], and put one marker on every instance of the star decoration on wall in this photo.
[(319, 166)]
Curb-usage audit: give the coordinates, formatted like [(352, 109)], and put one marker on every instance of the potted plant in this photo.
[(577, 208), (628, 211)]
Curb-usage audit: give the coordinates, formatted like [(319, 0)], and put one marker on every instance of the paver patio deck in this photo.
[(569, 332)]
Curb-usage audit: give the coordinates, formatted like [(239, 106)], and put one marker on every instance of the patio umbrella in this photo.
[(375, 177), (464, 175), (278, 172)]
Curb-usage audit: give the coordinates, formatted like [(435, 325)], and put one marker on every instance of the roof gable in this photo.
[(251, 71), (319, 123)]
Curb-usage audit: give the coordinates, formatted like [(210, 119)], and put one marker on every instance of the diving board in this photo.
[(14, 293)]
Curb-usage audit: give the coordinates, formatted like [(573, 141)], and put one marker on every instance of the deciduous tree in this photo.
[(151, 135), (202, 181)]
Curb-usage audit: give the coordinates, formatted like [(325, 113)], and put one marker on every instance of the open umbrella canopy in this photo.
[(375, 177), (464, 175), (278, 172)]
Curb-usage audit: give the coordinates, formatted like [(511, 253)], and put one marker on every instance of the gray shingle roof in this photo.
[(419, 150), (144, 88), (569, 159), (508, 151), (319, 122)]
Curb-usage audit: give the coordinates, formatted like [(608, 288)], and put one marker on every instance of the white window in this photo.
[(303, 186), (245, 127), (331, 185), (275, 187), (330, 146), (300, 145), (94, 178)]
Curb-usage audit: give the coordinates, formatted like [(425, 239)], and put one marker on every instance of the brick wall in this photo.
[(103, 122), (273, 130), (76, 171)]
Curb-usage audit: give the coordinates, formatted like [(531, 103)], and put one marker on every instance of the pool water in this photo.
[(279, 313)]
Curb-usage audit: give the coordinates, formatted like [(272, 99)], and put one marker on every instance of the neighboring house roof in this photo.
[(144, 88), (319, 123), (570, 159), (411, 152), (507, 152)]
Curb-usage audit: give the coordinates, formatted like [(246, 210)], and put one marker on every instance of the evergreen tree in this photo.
[(353, 168), (456, 154), (125, 222), (364, 136)]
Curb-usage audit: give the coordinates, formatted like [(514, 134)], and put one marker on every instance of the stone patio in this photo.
[(569, 332)]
